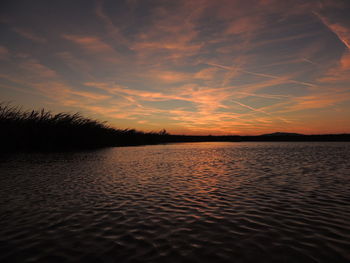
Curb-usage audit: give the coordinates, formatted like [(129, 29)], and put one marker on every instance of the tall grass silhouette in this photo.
[(42, 129)]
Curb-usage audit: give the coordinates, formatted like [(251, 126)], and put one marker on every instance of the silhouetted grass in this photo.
[(43, 130)]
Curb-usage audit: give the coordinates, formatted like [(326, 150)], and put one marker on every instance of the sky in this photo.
[(188, 66)]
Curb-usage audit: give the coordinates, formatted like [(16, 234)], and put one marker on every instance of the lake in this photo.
[(186, 202)]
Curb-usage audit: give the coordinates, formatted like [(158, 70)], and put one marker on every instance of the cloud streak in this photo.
[(342, 32), (196, 66), (28, 34)]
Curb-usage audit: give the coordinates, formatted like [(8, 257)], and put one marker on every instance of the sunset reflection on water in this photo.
[(200, 202)]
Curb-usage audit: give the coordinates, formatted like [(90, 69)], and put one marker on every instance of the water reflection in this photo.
[(200, 202)]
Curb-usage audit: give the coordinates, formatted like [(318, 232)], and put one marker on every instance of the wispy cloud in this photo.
[(37, 70), (269, 76), (340, 72), (342, 32), (113, 31), (4, 52), (29, 34), (90, 43), (198, 66)]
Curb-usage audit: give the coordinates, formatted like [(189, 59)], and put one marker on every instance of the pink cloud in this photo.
[(318, 101), (206, 74), (339, 73), (170, 76), (36, 70), (92, 44), (245, 25)]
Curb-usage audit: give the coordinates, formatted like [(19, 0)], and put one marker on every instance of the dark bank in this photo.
[(22, 130)]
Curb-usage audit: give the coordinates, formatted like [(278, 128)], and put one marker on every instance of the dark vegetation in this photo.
[(42, 130)]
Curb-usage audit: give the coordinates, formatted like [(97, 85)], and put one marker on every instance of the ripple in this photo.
[(203, 202)]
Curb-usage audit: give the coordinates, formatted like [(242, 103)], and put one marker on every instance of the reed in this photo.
[(43, 130)]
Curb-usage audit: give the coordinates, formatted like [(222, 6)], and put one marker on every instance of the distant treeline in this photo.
[(264, 138), (43, 130)]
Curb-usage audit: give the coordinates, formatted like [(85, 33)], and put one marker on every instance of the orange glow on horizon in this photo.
[(191, 67)]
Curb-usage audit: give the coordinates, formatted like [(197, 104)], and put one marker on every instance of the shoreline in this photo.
[(174, 139), (42, 130)]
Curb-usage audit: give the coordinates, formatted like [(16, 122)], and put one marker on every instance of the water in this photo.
[(195, 202)]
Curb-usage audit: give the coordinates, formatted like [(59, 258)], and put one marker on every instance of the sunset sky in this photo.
[(192, 67)]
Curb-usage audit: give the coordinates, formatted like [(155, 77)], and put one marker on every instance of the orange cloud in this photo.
[(92, 44), (200, 66), (342, 32), (319, 100), (90, 95), (339, 73), (117, 89), (207, 102), (244, 25), (206, 74), (37, 70), (345, 61), (170, 76)]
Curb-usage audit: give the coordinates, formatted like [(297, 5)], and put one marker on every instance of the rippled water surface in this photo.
[(198, 202)]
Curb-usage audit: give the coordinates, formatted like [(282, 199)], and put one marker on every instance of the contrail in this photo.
[(261, 74), (219, 66), (267, 96), (251, 108), (261, 111), (338, 30), (309, 61)]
